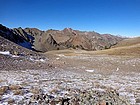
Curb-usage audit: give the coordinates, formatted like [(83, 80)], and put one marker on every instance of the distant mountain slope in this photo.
[(128, 42), (127, 47), (35, 39)]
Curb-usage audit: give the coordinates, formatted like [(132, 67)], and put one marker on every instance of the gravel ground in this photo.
[(63, 79), (58, 87)]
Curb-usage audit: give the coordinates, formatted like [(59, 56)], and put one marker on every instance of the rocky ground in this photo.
[(69, 78), (57, 87), (121, 73)]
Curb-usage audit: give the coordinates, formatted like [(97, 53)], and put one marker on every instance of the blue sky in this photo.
[(118, 17)]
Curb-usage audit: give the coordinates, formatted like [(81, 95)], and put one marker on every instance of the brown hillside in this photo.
[(128, 42), (127, 47), (35, 39)]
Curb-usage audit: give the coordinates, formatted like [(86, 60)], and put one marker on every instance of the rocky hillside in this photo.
[(17, 35), (43, 41)]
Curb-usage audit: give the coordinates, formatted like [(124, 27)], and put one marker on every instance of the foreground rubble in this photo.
[(60, 87)]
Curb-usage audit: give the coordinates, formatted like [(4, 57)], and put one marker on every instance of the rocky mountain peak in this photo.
[(55, 39)]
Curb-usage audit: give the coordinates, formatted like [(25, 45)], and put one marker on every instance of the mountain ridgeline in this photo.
[(35, 39)]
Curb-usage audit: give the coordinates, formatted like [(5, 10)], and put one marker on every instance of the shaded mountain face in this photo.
[(18, 36), (43, 41)]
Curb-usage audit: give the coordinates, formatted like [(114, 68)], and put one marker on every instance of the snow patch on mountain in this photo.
[(7, 53)]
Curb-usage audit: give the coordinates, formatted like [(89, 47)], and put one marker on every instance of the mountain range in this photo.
[(42, 41)]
